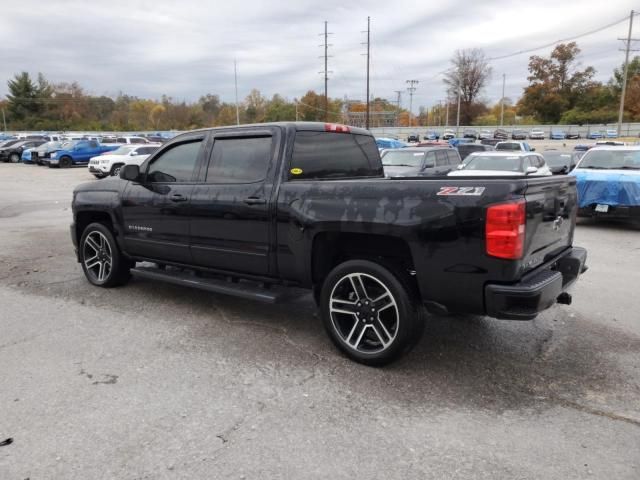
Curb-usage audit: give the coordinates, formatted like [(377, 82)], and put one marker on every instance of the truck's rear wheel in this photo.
[(102, 262), (369, 312), (14, 158)]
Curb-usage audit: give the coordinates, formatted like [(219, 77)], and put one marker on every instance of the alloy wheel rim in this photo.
[(98, 258), (364, 313)]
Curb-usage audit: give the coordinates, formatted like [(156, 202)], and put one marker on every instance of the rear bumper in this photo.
[(617, 212), (538, 290)]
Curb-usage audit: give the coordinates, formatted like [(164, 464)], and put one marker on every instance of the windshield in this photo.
[(488, 162), (402, 158), (69, 145), (123, 150), (508, 146), (611, 159), (557, 159), (49, 145)]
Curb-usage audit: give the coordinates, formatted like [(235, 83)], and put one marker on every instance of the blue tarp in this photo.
[(389, 143), (608, 187)]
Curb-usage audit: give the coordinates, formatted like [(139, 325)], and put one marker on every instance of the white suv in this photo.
[(110, 163)]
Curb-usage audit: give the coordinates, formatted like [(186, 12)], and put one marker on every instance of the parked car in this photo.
[(561, 162), (42, 152), (573, 136), (431, 135), (375, 253), (470, 133), (536, 134), (448, 134), (413, 138), (501, 134), (13, 152), (557, 135), (78, 153), (485, 134), (503, 164), (490, 141), (608, 183), (110, 163), (4, 137), (122, 140), (465, 149), (582, 147), (595, 135), (519, 134), (514, 146), (611, 133), (419, 161)]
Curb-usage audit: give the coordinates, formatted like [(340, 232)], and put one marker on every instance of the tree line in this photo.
[(559, 91)]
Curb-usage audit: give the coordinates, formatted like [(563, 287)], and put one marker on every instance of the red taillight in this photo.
[(505, 230), (337, 128)]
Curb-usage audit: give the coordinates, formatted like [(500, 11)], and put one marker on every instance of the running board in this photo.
[(240, 289)]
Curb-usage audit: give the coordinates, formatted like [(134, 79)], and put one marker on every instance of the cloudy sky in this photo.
[(185, 49)]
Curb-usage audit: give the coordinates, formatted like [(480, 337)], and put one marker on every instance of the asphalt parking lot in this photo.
[(153, 381)]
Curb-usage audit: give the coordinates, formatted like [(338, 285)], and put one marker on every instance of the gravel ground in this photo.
[(156, 381)]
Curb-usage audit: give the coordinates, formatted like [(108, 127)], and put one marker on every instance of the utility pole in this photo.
[(504, 77), (411, 88), (4, 121), (399, 97), (326, 72), (368, 43), (296, 100), (627, 49), (235, 75)]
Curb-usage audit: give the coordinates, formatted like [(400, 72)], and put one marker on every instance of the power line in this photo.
[(562, 40)]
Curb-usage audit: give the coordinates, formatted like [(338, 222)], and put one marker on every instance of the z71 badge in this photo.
[(476, 191)]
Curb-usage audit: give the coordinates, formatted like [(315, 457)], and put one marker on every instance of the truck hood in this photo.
[(608, 187), (109, 184)]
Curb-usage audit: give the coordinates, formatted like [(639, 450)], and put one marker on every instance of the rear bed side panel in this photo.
[(445, 232)]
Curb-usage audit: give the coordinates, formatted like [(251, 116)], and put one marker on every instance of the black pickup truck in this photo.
[(252, 209)]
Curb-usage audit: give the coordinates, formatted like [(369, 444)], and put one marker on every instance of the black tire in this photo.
[(378, 323), (97, 243), (14, 158), (115, 170), (65, 162)]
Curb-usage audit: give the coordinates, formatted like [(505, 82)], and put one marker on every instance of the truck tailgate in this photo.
[(551, 211)]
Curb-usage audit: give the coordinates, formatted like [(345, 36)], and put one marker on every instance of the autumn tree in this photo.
[(555, 83), (468, 75)]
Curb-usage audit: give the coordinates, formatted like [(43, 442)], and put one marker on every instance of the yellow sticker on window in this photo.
[(296, 171)]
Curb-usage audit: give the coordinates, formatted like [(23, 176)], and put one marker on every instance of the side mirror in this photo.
[(130, 172), (134, 153), (428, 165), (531, 170), (460, 166)]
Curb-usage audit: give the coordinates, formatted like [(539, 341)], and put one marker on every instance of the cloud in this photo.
[(150, 48)]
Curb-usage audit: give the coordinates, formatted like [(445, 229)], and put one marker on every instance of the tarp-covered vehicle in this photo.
[(608, 183)]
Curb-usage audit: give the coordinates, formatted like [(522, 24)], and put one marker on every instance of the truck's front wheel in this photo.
[(102, 262), (369, 312)]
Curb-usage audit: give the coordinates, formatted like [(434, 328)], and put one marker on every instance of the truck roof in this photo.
[(298, 126)]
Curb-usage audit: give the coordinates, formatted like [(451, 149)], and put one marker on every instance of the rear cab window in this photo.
[(322, 155)]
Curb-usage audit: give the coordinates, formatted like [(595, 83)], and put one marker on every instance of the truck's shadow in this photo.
[(472, 361)]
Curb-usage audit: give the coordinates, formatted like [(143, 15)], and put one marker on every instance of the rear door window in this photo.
[(442, 159), (240, 160), (328, 155), (454, 158), (430, 160)]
